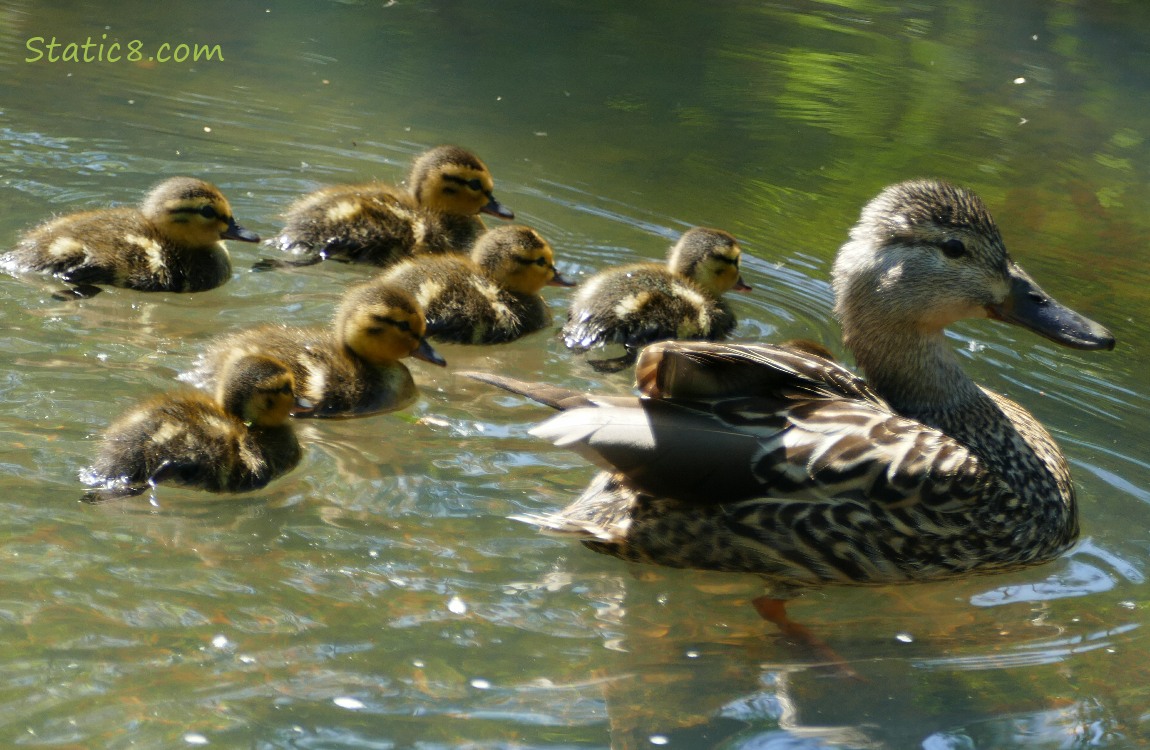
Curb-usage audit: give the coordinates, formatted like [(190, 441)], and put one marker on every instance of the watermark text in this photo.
[(52, 50)]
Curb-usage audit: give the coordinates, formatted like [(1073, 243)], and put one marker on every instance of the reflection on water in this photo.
[(378, 596)]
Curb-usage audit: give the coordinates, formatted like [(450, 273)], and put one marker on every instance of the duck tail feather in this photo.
[(549, 395)]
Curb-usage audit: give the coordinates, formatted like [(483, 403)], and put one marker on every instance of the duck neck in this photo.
[(916, 373)]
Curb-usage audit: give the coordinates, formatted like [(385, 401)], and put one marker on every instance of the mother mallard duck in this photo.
[(778, 461)]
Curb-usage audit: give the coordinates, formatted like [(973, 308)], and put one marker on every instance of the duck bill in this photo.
[(1028, 306), (742, 286), (301, 407), (427, 354), (236, 232), (495, 208), (559, 280)]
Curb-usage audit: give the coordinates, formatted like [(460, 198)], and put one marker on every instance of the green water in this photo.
[(378, 596)]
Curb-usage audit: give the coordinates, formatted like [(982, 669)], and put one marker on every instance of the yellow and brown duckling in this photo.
[(350, 368), (777, 461), (641, 303), (381, 224), (235, 441), (490, 297), (172, 243)]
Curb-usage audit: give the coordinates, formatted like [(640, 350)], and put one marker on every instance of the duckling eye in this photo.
[(953, 248), (209, 212), (402, 325), (475, 185)]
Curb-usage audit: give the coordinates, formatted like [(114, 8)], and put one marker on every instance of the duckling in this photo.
[(380, 224), (778, 461), (236, 441), (171, 243), (491, 297), (349, 369), (638, 304)]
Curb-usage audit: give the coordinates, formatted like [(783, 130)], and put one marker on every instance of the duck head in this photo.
[(710, 258), (382, 324), (260, 390), (518, 258), (452, 180), (925, 254), (193, 213)]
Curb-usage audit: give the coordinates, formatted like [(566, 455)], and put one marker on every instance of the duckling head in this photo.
[(518, 259), (193, 213), (452, 180), (710, 258), (382, 324), (260, 390), (925, 254)]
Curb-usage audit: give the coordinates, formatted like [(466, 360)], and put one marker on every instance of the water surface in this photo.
[(379, 596)]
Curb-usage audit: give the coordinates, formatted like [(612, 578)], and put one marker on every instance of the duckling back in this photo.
[(379, 224), (172, 243), (491, 297), (349, 369), (235, 441), (639, 304), (642, 303)]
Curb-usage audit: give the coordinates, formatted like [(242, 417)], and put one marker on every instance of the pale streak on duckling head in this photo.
[(192, 213), (381, 324), (517, 258), (924, 254), (709, 257), (452, 180), (258, 389)]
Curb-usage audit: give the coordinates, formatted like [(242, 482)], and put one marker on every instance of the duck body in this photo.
[(380, 224), (336, 381), (349, 369), (236, 441), (172, 243), (639, 304), (491, 297), (778, 461)]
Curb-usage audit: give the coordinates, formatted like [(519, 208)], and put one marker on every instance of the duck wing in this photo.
[(723, 423)]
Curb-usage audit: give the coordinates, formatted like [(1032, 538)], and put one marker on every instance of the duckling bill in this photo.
[(172, 243), (777, 461), (235, 441)]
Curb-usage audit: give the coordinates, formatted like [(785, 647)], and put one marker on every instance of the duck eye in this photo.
[(475, 185), (209, 212), (541, 262), (953, 248)]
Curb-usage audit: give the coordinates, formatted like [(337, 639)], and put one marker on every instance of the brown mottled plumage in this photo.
[(171, 243), (491, 297), (641, 303), (381, 224), (235, 441), (777, 461), (349, 369)]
